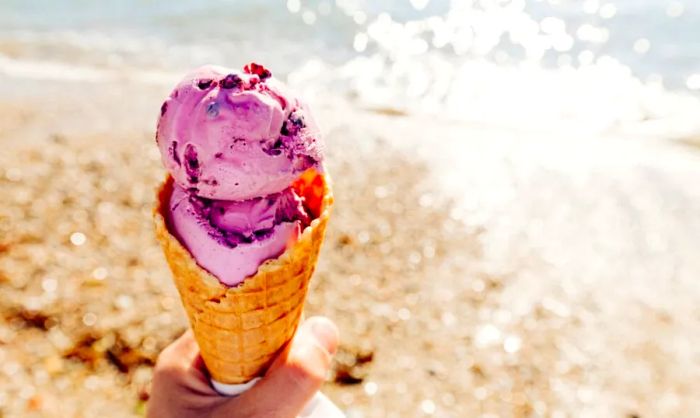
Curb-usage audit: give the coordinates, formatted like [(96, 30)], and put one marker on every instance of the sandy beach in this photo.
[(474, 271)]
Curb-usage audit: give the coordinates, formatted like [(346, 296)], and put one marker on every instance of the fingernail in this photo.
[(326, 334)]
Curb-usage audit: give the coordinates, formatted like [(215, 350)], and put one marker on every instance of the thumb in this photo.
[(296, 375)]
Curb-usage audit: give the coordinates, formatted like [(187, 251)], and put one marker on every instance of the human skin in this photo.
[(181, 386)]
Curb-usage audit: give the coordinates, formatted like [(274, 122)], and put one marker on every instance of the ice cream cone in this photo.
[(240, 329)]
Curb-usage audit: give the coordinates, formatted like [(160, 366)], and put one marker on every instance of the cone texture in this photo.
[(240, 329)]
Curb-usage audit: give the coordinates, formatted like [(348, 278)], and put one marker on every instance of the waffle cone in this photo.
[(240, 329)]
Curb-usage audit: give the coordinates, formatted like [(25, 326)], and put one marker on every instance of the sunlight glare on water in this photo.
[(487, 62)]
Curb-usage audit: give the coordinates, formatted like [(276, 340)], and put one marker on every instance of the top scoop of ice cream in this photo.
[(231, 135)]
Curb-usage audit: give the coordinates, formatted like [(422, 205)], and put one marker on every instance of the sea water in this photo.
[(597, 64)]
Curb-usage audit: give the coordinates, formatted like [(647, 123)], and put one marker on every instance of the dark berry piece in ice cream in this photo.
[(231, 81), (293, 124), (275, 148), (191, 157), (297, 120), (204, 83), (163, 108), (173, 153), (192, 163), (213, 110), (262, 233), (258, 70), (231, 242)]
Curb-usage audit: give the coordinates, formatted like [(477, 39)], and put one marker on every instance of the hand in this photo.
[(181, 385)]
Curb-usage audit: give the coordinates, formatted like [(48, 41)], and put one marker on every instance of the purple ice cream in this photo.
[(234, 135), (234, 143)]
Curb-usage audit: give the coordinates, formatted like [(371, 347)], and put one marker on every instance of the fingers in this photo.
[(294, 378), (180, 387), (183, 365), (180, 352)]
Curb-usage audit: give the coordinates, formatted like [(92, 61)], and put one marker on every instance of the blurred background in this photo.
[(517, 218)]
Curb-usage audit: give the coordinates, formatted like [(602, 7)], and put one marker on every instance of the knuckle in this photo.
[(301, 376), (308, 366), (167, 368)]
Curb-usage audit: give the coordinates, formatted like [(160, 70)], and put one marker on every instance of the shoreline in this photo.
[(648, 109)]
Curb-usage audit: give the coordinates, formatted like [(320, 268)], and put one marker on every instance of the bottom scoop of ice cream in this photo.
[(230, 239)]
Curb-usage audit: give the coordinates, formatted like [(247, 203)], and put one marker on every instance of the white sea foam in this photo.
[(61, 71)]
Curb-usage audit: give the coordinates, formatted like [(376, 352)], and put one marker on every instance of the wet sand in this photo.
[(473, 271)]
